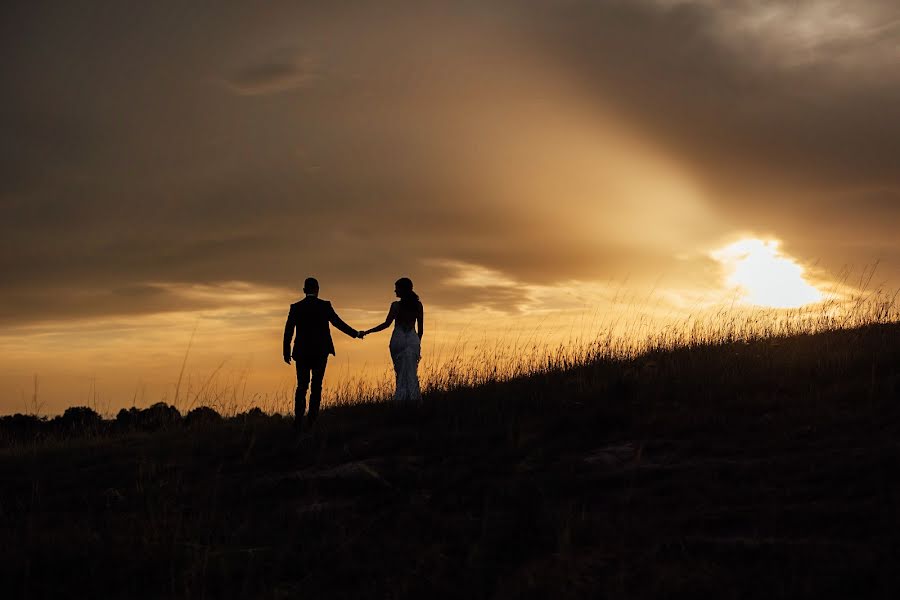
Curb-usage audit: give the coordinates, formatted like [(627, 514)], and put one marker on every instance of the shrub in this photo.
[(22, 427), (254, 414), (152, 418), (78, 419), (202, 415)]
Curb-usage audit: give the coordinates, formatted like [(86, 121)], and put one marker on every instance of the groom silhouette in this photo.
[(312, 345)]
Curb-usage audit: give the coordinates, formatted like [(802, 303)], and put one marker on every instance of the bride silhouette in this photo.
[(406, 342)]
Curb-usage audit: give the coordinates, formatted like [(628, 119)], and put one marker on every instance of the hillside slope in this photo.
[(761, 470)]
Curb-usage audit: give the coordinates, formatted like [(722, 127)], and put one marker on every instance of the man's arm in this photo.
[(336, 321), (289, 327)]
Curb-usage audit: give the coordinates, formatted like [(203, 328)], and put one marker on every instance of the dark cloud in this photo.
[(36, 305), (282, 70), (680, 70)]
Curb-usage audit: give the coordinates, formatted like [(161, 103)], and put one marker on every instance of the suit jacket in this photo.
[(310, 318)]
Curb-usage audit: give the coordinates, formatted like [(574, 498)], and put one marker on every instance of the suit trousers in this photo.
[(310, 369)]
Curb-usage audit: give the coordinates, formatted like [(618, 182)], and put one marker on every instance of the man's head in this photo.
[(311, 286)]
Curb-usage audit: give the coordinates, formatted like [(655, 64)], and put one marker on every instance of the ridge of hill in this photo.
[(766, 469)]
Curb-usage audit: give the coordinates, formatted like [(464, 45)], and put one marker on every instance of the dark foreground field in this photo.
[(762, 470)]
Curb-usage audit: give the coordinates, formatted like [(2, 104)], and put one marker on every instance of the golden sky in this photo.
[(172, 169)]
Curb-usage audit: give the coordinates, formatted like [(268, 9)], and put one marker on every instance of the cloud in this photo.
[(30, 308), (282, 70), (854, 34), (699, 75), (546, 142)]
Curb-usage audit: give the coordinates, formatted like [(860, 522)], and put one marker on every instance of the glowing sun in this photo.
[(763, 276)]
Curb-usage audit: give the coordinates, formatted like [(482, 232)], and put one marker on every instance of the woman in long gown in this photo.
[(407, 314)]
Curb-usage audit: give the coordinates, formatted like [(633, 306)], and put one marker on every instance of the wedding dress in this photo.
[(406, 351)]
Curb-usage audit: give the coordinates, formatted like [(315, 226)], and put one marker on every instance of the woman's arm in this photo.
[(392, 313), (420, 321)]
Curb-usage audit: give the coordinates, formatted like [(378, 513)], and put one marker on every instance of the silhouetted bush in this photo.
[(127, 417), (156, 416), (79, 420), (254, 414), (202, 415), (22, 427)]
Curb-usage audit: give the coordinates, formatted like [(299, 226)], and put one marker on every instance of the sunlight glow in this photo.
[(763, 276)]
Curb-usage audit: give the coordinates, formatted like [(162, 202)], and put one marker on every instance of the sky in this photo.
[(172, 171)]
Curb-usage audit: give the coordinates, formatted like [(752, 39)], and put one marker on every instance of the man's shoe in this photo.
[(298, 425)]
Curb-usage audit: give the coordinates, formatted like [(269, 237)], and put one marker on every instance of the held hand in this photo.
[(287, 359), (360, 334)]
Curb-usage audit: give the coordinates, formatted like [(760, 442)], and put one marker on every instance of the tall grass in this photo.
[(470, 363)]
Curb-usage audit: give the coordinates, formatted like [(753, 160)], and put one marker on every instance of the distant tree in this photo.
[(127, 418), (78, 420), (22, 427), (156, 416), (254, 414), (159, 416), (202, 415)]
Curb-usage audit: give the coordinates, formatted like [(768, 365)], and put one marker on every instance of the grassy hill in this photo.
[(768, 469)]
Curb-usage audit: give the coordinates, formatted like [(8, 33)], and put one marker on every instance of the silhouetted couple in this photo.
[(310, 319)]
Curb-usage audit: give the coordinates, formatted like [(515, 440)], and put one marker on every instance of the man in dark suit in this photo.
[(312, 345)]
